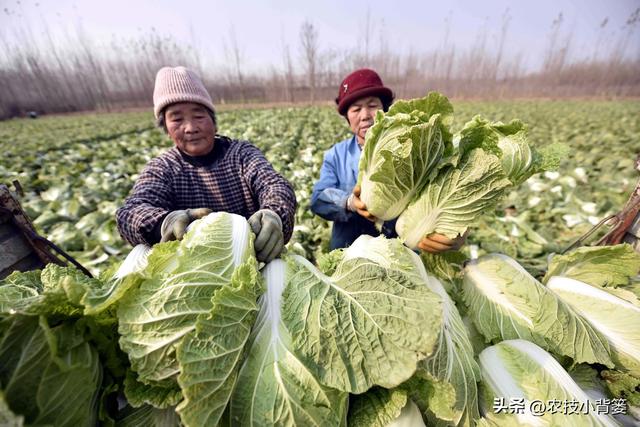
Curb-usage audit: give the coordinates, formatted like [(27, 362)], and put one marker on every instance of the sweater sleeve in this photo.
[(150, 200), (270, 188)]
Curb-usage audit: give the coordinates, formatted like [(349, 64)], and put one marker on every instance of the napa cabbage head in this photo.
[(615, 318), (611, 268), (455, 198), (363, 326), (127, 276), (519, 369), (506, 302), (210, 357), (510, 142), (177, 286), (49, 374), (445, 383), (67, 291), (380, 407), (274, 386), (402, 151)]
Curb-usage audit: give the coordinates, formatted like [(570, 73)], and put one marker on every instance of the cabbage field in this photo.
[(509, 331), (77, 169)]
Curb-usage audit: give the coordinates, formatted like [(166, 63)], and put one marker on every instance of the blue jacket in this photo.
[(338, 176)]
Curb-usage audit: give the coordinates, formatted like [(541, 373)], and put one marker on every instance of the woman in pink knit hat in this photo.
[(204, 172), (335, 196)]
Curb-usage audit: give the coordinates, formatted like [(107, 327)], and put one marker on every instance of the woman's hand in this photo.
[(354, 204), (436, 243)]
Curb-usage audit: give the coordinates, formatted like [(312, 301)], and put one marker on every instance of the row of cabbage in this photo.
[(76, 171)]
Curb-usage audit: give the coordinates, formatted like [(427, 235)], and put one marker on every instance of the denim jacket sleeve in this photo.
[(327, 200)]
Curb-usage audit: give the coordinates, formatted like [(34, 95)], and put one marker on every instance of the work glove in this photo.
[(175, 224), (267, 226)]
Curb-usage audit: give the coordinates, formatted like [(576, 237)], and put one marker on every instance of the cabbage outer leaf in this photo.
[(454, 199), (363, 326), (616, 319), (520, 369), (506, 302), (274, 387)]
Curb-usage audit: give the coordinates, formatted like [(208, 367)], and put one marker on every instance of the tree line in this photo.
[(47, 76)]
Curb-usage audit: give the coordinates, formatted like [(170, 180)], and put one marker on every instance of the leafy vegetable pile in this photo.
[(190, 332)]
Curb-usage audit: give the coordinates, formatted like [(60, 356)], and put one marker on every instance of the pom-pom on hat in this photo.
[(178, 84)]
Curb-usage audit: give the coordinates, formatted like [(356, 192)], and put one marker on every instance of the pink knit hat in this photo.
[(179, 84)]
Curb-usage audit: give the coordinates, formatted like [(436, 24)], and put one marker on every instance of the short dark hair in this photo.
[(162, 124)]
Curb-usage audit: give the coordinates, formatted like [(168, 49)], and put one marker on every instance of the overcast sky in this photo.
[(261, 27)]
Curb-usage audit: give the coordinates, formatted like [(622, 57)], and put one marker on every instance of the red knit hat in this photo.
[(360, 84)]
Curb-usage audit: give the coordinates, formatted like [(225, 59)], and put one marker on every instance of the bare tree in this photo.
[(554, 56), (327, 75), (384, 51), (367, 38), (448, 52), (310, 48), (411, 72), (506, 18), (195, 44), (236, 56), (601, 37), (628, 30), (618, 54), (474, 63), (289, 73)]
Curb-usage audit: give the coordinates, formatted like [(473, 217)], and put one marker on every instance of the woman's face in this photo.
[(190, 127), (360, 116)]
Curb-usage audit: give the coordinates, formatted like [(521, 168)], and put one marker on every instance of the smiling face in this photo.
[(360, 115), (190, 127)]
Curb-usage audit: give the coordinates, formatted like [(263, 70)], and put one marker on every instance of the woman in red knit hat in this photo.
[(335, 196)]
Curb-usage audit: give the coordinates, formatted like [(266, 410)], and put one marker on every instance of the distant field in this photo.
[(76, 170)]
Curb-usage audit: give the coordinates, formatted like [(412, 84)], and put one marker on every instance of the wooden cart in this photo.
[(21, 247), (624, 226)]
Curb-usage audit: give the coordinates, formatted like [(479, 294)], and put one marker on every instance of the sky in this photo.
[(262, 28)]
